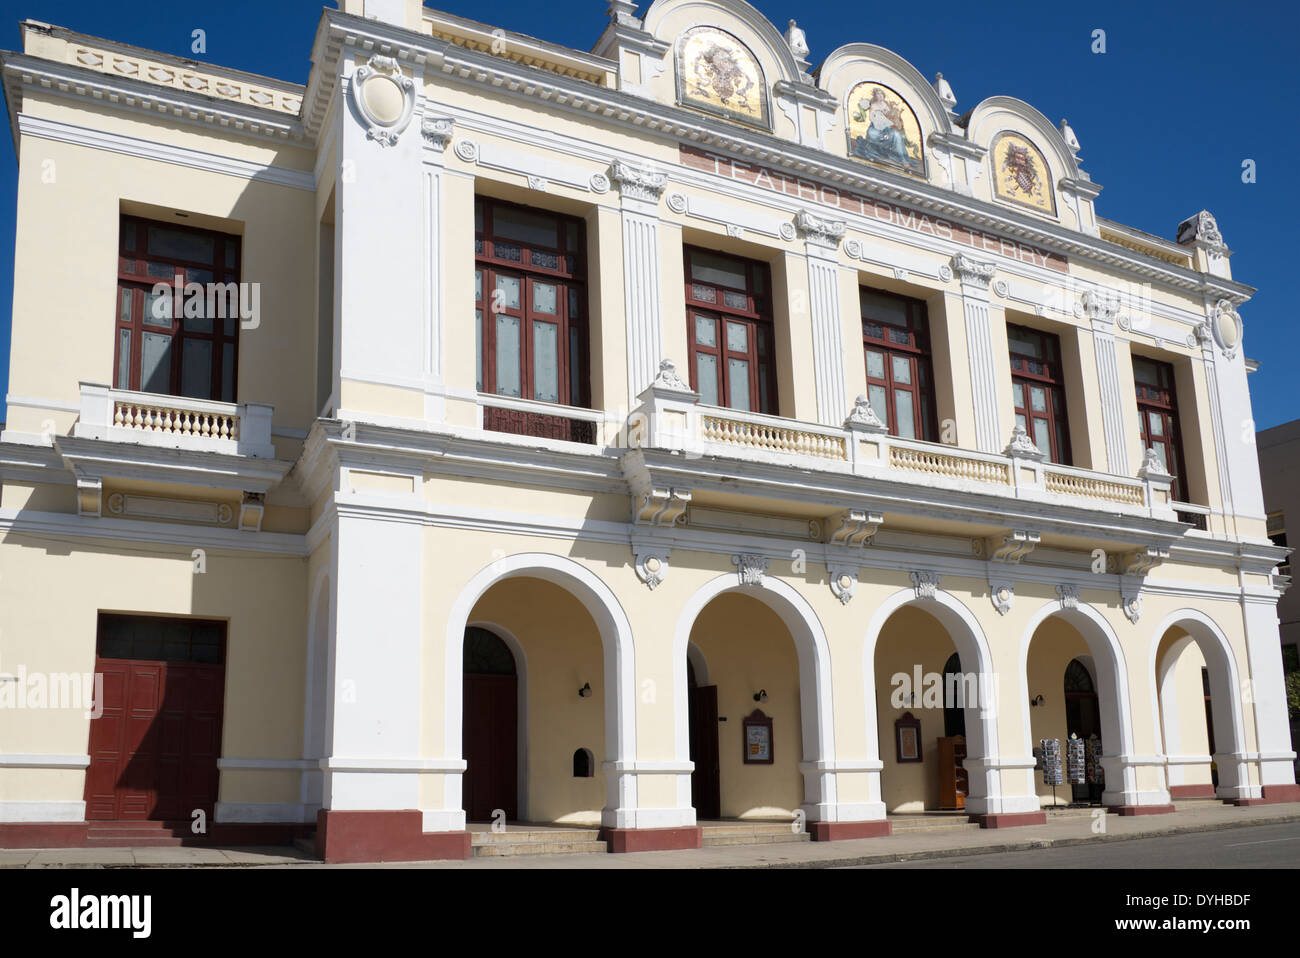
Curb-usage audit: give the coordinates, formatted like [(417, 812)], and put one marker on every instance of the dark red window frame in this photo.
[(562, 265), (1041, 371), (748, 306), (906, 364), (140, 267), (1159, 399)]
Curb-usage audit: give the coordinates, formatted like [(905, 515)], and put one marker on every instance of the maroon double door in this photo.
[(154, 750)]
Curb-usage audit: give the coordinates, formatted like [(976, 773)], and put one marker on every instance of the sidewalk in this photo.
[(1071, 830)]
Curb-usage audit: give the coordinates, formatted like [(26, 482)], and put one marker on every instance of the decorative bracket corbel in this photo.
[(251, 512), (662, 506), (1142, 561), (1068, 593), (855, 527), (90, 496), (1013, 548)]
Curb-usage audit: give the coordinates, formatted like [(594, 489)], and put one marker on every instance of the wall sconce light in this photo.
[(1036, 701), (585, 691), (760, 695)]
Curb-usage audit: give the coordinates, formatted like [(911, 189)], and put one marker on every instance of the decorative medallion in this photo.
[(718, 74), (1002, 593), (651, 565), (1021, 174), (385, 99), (1226, 328), (883, 129)]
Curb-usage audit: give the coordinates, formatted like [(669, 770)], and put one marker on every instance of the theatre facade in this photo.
[(638, 439)]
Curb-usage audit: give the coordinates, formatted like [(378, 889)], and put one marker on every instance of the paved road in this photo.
[(1263, 846)]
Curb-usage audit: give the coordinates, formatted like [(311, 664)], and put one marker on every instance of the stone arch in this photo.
[(815, 706), (619, 669), (1225, 689), (1110, 672), (972, 649)]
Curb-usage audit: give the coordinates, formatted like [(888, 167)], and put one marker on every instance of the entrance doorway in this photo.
[(490, 728), (1082, 717), (706, 780), (154, 751)]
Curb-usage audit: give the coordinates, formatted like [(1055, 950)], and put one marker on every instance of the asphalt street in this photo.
[(1263, 846)]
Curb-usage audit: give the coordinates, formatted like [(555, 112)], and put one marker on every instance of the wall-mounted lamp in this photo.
[(1036, 701), (585, 691), (760, 695)]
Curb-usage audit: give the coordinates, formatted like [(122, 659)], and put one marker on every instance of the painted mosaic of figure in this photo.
[(884, 136)]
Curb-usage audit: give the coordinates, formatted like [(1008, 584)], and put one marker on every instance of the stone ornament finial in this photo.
[(796, 40), (944, 91), (862, 417), (1021, 446), (1067, 134), (669, 378), (1201, 228), (1152, 466)]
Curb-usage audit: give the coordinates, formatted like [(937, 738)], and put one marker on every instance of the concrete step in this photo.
[(927, 824), (510, 849), (760, 838), (513, 836), (746, 828)]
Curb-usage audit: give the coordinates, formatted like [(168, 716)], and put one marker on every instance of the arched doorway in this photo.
[(1201, 711), (1082, 719), (490, 728), (754, 666), (1057, 637)]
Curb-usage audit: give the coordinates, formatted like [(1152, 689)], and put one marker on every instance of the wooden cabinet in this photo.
[(953, 780)]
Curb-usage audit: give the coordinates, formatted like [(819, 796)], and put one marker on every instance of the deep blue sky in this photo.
[(1166, 116)]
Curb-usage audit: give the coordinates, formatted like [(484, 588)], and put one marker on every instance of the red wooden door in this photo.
[(490, 741), (153, 753), (706, 780)]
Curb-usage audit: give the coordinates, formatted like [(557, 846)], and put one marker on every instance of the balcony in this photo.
[(675, 421), (175, 422)]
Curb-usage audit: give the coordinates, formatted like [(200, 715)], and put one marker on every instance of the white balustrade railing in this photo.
[(176, 422), (674, 419)]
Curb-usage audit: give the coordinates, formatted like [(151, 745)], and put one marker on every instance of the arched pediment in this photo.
[(885, 108), (725, 56), (1027, 156)]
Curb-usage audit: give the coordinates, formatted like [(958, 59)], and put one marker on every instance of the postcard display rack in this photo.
[(1051, 749)]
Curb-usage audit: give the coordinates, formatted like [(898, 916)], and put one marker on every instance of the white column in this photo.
[(1268, 689), (640, 189), (980, 315), (373, 748), (822, 247)]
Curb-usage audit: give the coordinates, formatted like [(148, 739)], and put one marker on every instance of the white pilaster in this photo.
[(640, 189), (979, 315), (1102, 313), (382, 230), (1268, 690), (823, 239), (373, 751)]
